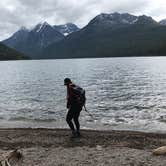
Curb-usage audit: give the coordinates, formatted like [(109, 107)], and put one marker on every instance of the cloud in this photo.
[(17, 13)]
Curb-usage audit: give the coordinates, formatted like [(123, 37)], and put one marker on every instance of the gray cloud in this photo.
[(17, 13)]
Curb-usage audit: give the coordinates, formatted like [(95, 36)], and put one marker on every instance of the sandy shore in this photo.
[(54, 147)]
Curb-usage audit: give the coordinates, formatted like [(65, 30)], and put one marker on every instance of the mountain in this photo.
[(17, 37), (163, 22), (7, 53), (120, 19), (66, 29), (145, 20), (112, 35), (113, 19), (32, 42), (106, 35)]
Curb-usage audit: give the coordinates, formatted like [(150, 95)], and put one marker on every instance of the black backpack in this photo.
[(79, 95)]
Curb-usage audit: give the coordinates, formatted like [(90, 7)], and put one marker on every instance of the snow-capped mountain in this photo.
[(66, 29), (102, 36), (112, 35), (31, 42), (41, 26), (114, 18), (163, 22), (44, 34), (117, 18)]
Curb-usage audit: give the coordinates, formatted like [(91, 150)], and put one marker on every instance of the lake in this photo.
[(122, 93)]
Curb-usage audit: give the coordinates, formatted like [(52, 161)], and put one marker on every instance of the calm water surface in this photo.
[(122, 93)]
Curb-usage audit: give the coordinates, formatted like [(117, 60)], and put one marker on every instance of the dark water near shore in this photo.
[(122, 93)]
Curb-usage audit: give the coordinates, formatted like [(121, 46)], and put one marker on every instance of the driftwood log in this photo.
[(11, 159)]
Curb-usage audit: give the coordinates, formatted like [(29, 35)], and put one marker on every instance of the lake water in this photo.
[(122, 93)]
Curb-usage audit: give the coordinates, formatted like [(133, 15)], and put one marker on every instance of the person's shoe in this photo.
[(74, 134), (78, 133)]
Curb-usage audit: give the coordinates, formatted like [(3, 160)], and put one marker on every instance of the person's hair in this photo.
[(67, 81)]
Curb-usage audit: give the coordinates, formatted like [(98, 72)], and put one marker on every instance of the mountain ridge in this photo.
[(96, 39), (67, 28), (33, 41), (105, 36)]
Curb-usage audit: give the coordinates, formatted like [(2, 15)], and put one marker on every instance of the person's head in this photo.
[(67, 81)]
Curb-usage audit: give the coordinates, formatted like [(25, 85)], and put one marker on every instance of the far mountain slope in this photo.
[(7, 53)]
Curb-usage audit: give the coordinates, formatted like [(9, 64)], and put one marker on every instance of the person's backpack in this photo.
[(79, 94)]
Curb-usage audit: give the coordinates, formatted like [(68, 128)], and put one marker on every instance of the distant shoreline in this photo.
[(155, 56)]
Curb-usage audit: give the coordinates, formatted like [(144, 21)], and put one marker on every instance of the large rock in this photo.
[(160, 151)]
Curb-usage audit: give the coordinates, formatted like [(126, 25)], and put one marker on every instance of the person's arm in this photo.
[(69, 96)]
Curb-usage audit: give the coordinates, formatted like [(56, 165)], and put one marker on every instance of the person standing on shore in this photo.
[(75, 102)]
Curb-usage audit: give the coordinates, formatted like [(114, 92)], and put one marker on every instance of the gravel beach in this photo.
[(54, 147)]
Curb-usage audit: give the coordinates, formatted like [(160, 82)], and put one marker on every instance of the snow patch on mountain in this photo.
[(162, 22), (41, 26), (66, 29)]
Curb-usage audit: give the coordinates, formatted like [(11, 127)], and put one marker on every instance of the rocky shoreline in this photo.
[(51, 147)]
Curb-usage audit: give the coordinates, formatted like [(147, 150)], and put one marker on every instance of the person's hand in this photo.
[(67, 106)]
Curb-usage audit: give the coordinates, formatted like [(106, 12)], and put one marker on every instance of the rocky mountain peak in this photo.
[(113, 19), (162, 22), (145, 20), (41, 27), (66, 29), (117, 18)]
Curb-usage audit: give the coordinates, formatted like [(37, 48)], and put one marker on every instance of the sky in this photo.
[(17, 13)]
